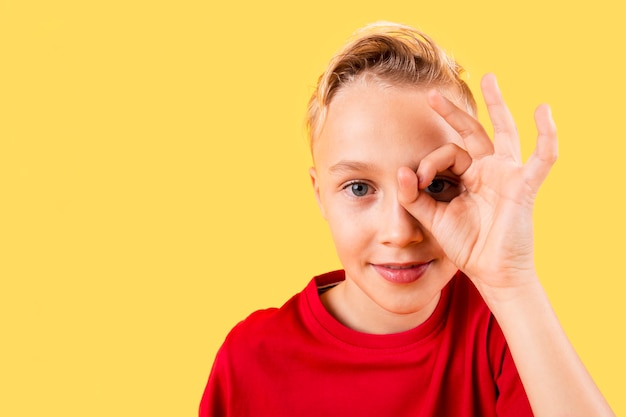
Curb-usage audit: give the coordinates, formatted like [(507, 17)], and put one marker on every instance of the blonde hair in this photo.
[(393, 53)]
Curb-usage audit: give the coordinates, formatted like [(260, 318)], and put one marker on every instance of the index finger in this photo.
[(471, 131)]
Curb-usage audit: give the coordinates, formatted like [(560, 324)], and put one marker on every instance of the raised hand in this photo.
[(487, 229)]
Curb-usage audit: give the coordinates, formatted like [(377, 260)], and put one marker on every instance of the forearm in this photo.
[(554, 377)]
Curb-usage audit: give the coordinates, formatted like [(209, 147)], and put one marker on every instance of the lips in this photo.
[(401, 273)]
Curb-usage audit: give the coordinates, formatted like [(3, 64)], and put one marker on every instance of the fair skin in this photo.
[(413, 189)]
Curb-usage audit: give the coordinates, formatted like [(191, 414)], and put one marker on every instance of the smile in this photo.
[(404, 273), (400, 266)]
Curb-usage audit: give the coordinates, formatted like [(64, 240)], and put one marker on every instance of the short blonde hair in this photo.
[(393, 53)]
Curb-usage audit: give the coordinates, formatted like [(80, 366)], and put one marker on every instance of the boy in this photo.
[(438, 311)]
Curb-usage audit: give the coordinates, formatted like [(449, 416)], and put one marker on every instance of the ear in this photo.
[(316, 190)]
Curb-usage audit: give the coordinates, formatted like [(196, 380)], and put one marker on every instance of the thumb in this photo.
[(419, 204)]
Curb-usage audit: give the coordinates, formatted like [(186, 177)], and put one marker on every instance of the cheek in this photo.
[(341, 229), (351, 230)]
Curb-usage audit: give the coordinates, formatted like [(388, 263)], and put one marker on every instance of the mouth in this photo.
[(401, 273)]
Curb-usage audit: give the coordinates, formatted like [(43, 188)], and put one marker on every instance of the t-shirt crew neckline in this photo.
[(343, 334)]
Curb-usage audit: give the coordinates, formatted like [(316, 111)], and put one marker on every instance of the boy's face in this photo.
[(391, 262)]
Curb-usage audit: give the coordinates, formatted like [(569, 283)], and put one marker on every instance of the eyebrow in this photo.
[(350, 166)]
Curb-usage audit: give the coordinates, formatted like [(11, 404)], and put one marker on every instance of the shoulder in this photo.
[(262, 324), (272, 325), (294, 323)]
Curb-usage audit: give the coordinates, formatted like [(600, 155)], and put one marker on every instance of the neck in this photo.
[(355, 310)]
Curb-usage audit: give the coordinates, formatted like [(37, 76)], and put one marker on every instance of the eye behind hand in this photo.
[(444, 189)]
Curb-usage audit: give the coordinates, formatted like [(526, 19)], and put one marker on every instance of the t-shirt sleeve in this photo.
[(215, 399), (512, 400)]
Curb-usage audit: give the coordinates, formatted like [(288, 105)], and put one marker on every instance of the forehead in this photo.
[(378, 123)]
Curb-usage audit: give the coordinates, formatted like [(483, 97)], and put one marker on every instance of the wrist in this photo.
[(508, 290)]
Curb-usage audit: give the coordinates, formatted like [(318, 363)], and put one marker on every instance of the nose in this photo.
[(398, 228)]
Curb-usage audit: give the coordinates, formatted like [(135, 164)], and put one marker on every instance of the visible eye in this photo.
[(358, 189), (442, 189)]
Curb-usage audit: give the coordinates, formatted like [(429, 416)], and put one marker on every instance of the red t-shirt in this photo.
[(298, 361)]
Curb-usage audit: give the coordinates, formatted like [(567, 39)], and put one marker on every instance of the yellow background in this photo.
[(154, 188)]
